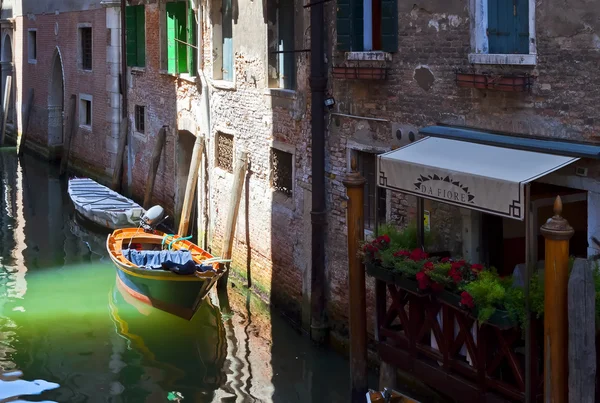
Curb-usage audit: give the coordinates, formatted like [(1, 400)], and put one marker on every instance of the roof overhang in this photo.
[(475, 176)]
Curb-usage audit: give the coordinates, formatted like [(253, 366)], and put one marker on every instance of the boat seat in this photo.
[(178, 261)]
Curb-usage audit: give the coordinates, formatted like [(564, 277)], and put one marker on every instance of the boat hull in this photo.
[(180, 298), (177, 294)]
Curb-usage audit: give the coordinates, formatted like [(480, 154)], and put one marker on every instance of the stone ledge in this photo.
[(372, 56), (513, 59)]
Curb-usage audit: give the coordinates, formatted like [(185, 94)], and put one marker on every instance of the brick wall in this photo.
[(60, 31)]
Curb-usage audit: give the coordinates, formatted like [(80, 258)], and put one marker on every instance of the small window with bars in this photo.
[(86, 48), (140, 115), (375, 198), (85, 111), (225, 151), (282, 168)]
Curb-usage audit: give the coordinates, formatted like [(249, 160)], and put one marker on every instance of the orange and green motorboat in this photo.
[(167, 272)]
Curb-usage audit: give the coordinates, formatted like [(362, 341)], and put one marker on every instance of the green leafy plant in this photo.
[(488, 294)]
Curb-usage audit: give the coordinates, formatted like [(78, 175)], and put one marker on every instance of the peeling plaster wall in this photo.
[(434, 40)]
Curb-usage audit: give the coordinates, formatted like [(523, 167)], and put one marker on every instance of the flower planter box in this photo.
[(500, 319), (393, 277), (359, 73), (494, 82)]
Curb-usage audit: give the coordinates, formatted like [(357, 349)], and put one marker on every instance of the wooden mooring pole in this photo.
[(155, 162), (190, 189), (5, 106), (22, 138), (73, 127), (241, 166), (355, 188), (557, 233)]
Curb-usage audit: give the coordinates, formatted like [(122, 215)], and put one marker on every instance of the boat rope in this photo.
[(175, 238)]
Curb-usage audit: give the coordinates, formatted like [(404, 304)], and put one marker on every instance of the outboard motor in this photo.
[(152, 218)]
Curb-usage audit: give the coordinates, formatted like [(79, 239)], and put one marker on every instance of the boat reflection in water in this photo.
[(185, 357)]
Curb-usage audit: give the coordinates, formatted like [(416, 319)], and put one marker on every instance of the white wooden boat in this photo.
[(103, 206)]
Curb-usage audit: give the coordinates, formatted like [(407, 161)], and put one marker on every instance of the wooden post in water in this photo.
[(557, 233), (118, 172), (355, 189), (22, 138), (158, 146), (241, 165), (5, 105), (582, 333), (73, 127), (190, 189)]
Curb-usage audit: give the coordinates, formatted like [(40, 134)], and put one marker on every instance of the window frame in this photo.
[(191, 27), (288, 149), (80, 28), (355, 17), (223, 81), (136, 122), (283, 62), (29, 32), (83, 98), (480, 44)]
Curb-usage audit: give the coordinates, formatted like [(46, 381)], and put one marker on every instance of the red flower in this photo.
[(445, 260), (418, 255), (466, 299), (400, 253), (476, 268), (437, 287), (383, 239), (455, 274), (427, 267), (423, 280), (457, 265)]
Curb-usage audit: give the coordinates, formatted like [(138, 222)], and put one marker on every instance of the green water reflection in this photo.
[(63, 320)]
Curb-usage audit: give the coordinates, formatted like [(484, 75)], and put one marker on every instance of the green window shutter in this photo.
[(191, 39), (344, 25), (171, 43), (182, 66), (141, 35), (522, 25), (503, 30), (389, 25), (358, 37), (131, 35)]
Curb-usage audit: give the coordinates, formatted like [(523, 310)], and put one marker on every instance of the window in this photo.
[(223, 42), (182, 28), (136, 35), (225, 151), (32, 45), (504, 32), (140, 113), (282, 168), (282, 59), (85, 35), (85, 110), (374, 200), (367, 25)]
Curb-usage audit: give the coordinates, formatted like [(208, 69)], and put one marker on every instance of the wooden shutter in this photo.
[(508, 26), (181, 17), (358, 37), (131, 35), (227, 40), (389, 25), (141, 35), (344, 25), (522, 25), (171, 35), (191, 39)]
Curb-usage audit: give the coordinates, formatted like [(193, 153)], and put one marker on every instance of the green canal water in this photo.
[(72, 336)]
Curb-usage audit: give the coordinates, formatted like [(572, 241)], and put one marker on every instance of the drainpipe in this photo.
[(318, 84)]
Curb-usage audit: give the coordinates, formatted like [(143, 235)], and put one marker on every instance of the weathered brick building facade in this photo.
[(434, 41)]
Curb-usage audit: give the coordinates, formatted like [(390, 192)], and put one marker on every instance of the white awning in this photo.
[(474, 176)]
